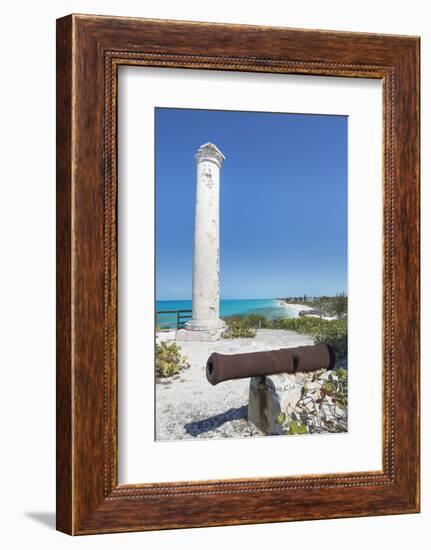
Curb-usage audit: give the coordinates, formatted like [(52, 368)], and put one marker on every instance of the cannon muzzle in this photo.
[(221, 367)]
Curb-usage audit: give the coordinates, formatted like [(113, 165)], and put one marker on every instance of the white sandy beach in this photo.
[(295, 307), (302, 307)]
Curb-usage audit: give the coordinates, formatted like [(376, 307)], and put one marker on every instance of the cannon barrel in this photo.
[(221, 367)]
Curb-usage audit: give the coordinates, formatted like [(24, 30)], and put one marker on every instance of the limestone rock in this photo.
[(279, 393), (212, 335)]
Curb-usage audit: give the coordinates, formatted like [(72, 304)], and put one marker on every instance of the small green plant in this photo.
[(237, 329), (320, 409), (297, 428), (252, 320), (169, 360)]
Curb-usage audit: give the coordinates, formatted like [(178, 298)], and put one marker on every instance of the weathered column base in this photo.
[(209, 335), (198, 325), (270, 396), (202, 331)]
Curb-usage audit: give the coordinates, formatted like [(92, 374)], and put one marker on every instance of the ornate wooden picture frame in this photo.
[(89, 51)]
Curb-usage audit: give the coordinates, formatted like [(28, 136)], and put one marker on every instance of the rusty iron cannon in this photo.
[(221, 367)]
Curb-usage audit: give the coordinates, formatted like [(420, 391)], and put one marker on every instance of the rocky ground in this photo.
[(189, 407)]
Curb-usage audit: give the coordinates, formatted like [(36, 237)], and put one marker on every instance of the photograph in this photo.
[(251, 274), (213, 311)]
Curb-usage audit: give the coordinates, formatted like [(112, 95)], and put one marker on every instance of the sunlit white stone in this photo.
[(206, 323)]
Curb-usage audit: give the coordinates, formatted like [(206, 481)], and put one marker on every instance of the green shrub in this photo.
[(321, 409), (257, 321), (236, 328), (322, 330), (169, 360), (338, 305), (329, 332), (335, 334), (253, 320)]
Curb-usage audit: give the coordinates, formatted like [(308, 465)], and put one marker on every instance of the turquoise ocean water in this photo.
[(270, 308)]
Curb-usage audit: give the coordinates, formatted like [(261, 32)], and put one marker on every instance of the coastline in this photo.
[(296, 307), (302, 307), (232, 307)]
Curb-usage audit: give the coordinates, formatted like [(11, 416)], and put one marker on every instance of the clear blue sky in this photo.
[(283, 202)]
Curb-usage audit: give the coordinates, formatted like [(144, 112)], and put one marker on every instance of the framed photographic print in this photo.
[(237, 274)]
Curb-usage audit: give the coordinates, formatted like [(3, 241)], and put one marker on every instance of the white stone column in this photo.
[(206, 323)]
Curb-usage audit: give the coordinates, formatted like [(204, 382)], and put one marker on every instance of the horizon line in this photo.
[(266, 298)]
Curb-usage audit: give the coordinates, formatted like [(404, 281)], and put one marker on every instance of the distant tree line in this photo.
[(328, 306)]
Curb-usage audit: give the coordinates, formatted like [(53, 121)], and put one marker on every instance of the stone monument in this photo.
[(206, 324)]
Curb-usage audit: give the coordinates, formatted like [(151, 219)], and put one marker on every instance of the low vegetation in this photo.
[(327, 306), (169, 360), (332, 332), (235, 328), (321, 409)]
